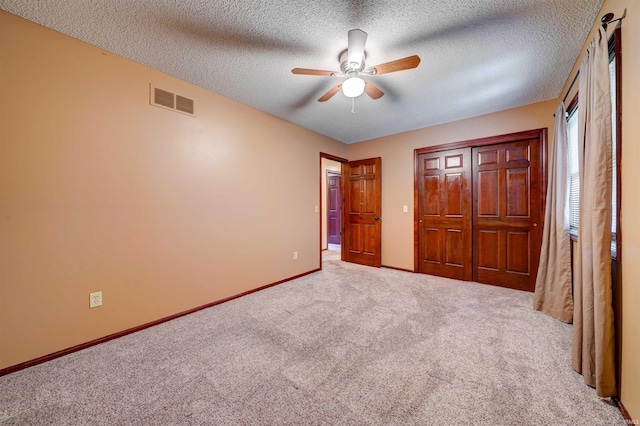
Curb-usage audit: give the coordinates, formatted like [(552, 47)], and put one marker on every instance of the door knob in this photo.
[(376, 218), (535, 224)]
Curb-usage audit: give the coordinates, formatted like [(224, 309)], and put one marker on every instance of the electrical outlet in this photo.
[(95, 299), (295, 255), (405, 209)]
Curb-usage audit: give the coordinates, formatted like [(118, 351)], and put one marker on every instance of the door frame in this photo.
[(472, 143), (324, 155)]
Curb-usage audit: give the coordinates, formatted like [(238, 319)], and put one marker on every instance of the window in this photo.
[(572, 130), (614, 144), (574, 177)]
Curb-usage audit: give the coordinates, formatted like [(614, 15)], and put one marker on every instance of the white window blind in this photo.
[(614, 169), (574, 180)]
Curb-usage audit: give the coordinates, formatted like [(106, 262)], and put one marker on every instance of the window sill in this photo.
[(614, 248)]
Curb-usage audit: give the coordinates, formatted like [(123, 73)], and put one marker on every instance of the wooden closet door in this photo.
[(507, 226), (444, 213)]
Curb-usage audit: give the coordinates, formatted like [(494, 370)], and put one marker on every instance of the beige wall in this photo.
[(397, 166), (160, 211), (325, 165)]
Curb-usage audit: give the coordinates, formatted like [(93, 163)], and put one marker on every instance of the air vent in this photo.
[(169, 100), (164, 98), (184, 104)]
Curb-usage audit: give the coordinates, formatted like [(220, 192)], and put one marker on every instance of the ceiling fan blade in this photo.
[(357, 40), (372, 91), (398, 65), (307, 71), (330, 93)]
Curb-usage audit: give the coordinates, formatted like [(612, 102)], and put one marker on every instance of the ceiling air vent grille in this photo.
[(165, 99)]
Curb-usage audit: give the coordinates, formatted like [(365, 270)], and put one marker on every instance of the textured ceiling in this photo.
[(478, 56)]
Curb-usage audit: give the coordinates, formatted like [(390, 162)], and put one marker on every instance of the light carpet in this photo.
[(349, 345)]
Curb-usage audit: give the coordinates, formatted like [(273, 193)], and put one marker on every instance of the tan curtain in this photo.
[(593, 340), (553, 294)]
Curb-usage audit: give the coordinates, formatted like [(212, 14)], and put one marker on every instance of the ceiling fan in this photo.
[(352, 66)]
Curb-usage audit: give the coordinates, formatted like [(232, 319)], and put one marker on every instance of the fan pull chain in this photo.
[(353, 105)]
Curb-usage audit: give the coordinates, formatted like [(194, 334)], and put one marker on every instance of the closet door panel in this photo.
[(506, 213), (444, 213)]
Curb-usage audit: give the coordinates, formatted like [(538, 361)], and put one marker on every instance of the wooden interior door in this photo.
[(361, 211), (444, 213), (507, 227), (334, 201)]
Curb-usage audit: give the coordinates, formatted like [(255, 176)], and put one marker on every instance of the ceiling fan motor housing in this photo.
[(346, 67)]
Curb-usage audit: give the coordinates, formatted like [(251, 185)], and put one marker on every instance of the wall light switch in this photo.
[(405, 209), (317, 209)]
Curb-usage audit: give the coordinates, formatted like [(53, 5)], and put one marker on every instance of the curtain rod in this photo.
[(571, 86), (606, 20)]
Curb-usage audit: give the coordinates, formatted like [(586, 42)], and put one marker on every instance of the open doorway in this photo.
[(333, 209), (330, 203)]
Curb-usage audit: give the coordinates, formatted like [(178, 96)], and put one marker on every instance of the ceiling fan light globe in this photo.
[(353, 87)]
